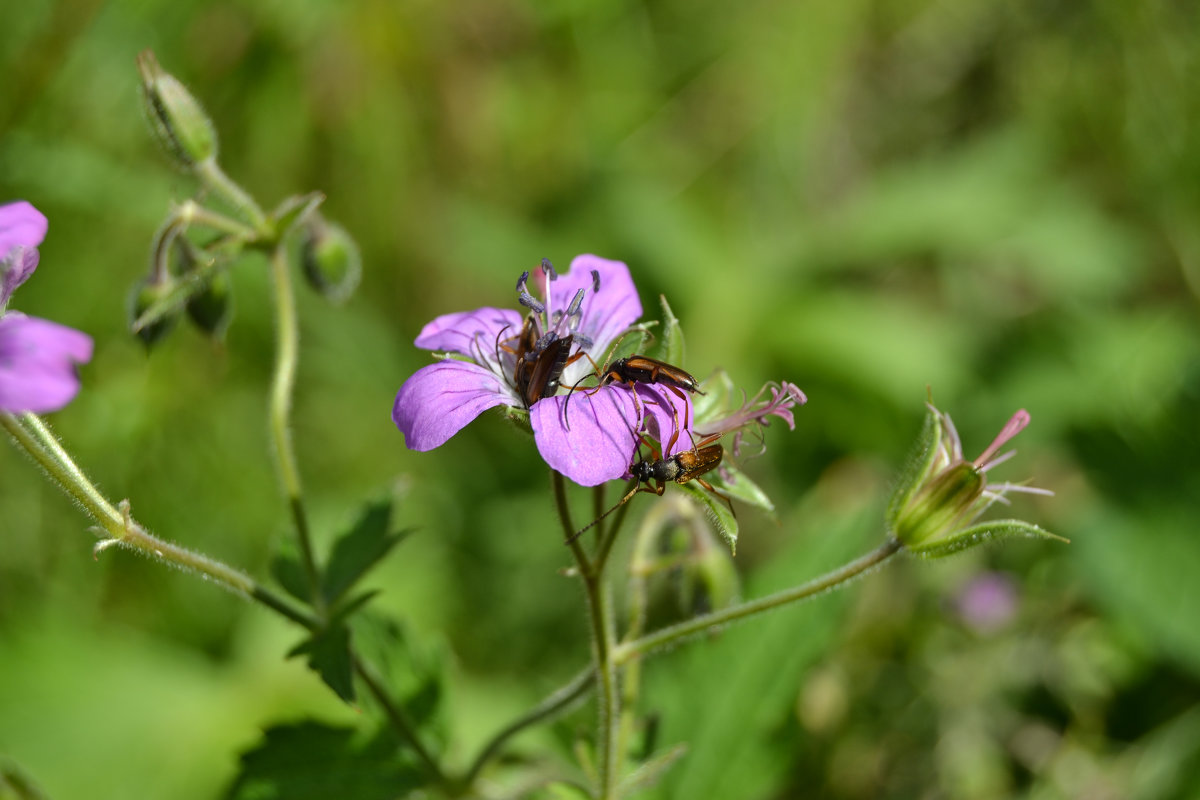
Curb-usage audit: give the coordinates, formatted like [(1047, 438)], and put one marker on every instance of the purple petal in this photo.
[(471, 333), (37, 363), (21, 225), (607, 313), (600, 443), (437, 401), (22, 228), (599, 446)]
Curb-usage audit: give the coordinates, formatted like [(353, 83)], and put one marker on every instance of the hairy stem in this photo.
[(398, 719), (553, 705), (283, 382), (603, 642), (697, 625), (221, 184)]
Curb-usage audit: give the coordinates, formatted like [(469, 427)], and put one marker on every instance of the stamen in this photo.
[(576, 302), (525, 298), (1012, 428), (548, 269), (545, 341), (595, 281)]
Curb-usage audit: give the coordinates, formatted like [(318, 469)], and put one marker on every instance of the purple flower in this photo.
[(37, 363), (504, 359), (37, 357), (757, 412), (22, 228)]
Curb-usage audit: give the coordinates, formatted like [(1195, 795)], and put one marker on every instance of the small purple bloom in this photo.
[(37, 357), (593, 303), (987, 602), (22, 228), (757, 412)]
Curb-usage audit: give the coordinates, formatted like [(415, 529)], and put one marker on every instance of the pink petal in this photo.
[(474, 334)]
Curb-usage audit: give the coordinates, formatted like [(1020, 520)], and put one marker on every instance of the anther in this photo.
[(548, 269), (525, 298), (595, 282)]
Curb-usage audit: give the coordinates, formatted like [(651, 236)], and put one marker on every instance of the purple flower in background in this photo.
[(37, 357), (510, 360), (987, 602)]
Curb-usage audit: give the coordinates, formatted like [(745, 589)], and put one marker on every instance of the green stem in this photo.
[(33, 436), (398, 720), (553, 705), (697, 625), (282, 384), (603, 642), (215, 179)]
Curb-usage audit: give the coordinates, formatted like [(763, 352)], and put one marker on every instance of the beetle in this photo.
[(540, 359), (636, 369), (683, 467)]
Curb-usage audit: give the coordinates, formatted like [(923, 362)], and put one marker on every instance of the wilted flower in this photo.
[(755, 414), (931, 513), (584, 310), (37, 357)]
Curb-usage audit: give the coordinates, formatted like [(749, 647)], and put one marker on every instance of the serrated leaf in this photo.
[(286, 570), (649, 773), (722, 518), (314, 761), (294, 211), (919, 463), (359, 549), (673, 349), (981, 533), (415, 674), (738, 486), (329, 656)]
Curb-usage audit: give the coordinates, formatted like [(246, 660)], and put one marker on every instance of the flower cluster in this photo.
[(37, 357)]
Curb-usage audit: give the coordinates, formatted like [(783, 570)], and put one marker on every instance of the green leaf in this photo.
[(286, 570), (672, 347), (314, 761), (978, 534), (359, 549), (720, 515), (329, 656), (414, 672)]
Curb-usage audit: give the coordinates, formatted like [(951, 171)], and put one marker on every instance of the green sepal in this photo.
[(718, 398), (146, 296), (294, 212), (919, 465), (359, 549), (673, 350), (722, 518), (738, 485), (330, 259), (170, 301), (994, 530)]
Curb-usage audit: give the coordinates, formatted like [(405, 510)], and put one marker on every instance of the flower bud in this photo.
[(211, 308), (331, 260), (145, 295), (935, 505), (178, 121)]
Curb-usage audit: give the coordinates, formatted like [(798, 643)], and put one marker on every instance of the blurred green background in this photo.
[(999, 201)]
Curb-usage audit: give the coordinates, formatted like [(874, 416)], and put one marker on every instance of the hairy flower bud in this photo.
[(331, 260), (934, 507), (177, 119), (210, 308)]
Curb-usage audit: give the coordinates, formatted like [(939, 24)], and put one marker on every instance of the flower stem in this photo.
[(398, 719), (603, 642), (33, 436), (673, 634), (282, 383), (556, 703), (215, 179)]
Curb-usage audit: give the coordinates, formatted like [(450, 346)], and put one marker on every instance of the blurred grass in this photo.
[(865, 198)]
